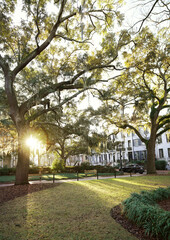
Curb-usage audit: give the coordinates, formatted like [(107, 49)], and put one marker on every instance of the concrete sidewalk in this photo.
[(73, 180), (159, 172)]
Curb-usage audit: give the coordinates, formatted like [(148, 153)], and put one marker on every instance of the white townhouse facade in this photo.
[(125, 147)]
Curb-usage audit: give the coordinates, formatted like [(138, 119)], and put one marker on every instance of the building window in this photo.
[(161, 153), (129, 143), (159, 139), (142, 155), (169, 152), (168, 137), (123, 144), (136, 155), (135, 143), (123, 155)]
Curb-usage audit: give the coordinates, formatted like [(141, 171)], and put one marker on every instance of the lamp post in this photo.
[(120, 150)]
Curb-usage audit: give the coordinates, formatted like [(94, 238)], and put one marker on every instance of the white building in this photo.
[(127, 147)]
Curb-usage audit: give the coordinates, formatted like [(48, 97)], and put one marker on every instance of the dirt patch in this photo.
[(11, 192), (165, 204), (130, 226)]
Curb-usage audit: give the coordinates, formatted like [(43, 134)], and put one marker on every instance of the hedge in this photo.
[(145, 212)]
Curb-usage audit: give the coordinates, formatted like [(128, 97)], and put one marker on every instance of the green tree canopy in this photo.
[(48, 52), (139, 97)]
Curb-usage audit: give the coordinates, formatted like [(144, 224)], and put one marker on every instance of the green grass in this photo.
[(73, 211), (49, 177)]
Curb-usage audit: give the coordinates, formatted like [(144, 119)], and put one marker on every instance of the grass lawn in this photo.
[(73, 210), (50, 176)]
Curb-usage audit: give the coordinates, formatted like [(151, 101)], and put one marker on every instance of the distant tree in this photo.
[(140, 97), (69, 133)]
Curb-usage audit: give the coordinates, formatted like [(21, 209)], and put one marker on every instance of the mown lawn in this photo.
[(49, 177), (73, 211)]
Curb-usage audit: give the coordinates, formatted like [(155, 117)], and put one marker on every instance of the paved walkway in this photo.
[(86, 179), (73, 180)]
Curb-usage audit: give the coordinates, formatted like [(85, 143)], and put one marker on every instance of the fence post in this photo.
[(97, 175), (115, 174), (53, 177), (40, 174), (77, 176), (130, 174)]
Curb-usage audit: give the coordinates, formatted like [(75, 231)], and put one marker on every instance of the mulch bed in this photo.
[(131, 227), (11, 192)]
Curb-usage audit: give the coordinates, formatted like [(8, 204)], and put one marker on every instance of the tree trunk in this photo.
[(151, 169), (22, 168)]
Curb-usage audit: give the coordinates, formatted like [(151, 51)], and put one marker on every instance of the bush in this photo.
[(34, 170), (144, 210), (70, 169), (58, 165), (105, 169), (87, 166), (160, 164), (4, 171), (12, 171)]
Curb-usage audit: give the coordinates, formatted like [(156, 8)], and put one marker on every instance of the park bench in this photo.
[(31, 175), (93, 171), (41, 171)]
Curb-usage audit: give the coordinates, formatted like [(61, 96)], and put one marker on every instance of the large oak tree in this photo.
[(43, 55), (140, 97)]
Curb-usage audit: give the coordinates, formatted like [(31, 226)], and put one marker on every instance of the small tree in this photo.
[(58, 164)]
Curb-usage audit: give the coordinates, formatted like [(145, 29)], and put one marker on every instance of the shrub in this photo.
[(87, 166), (4, 171), (144, 210), (12, 171), (34, 170), (58, 165), (160, 164), (70, 169)]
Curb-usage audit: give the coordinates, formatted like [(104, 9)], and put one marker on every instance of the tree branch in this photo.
[(71, 39), (163, 131), (149, 13), (44, 111), (58, 86), (45, 44), (3, 65), (135, 130)]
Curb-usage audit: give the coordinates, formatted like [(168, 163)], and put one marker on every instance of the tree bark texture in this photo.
[(151, 169), (22, 168)]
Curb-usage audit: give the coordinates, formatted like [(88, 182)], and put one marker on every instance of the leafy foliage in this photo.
[(139, 96), (144, 210), (45, 55), (160, 164), (58, 164)]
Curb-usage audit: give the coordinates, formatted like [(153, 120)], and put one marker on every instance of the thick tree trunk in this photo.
[(151, 169), (22, 168)]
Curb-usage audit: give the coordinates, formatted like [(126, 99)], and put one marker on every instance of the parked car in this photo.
[(167, 167), (135, 168)]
